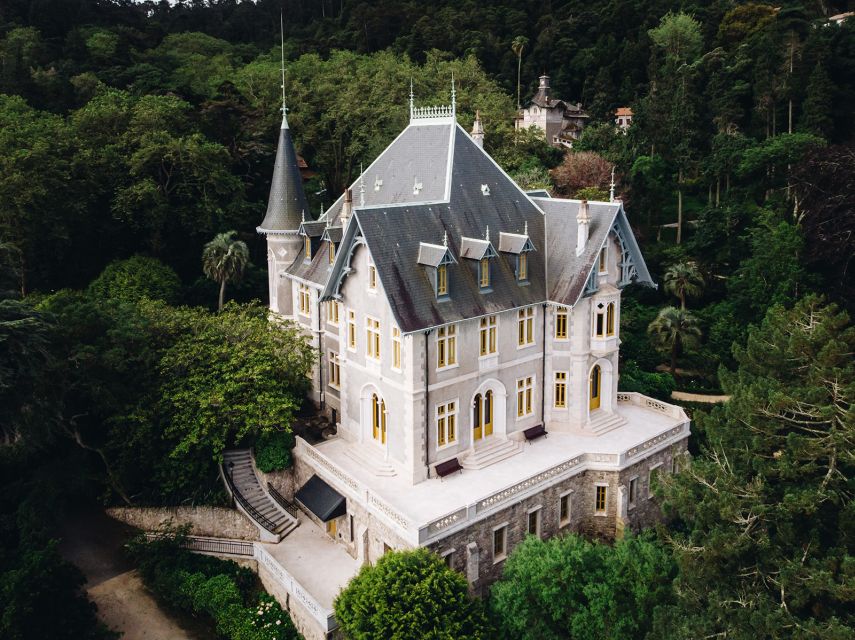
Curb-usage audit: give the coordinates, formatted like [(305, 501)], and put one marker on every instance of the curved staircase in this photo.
[(272, 520)]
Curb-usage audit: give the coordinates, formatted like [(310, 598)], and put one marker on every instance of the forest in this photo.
[(137, 141)]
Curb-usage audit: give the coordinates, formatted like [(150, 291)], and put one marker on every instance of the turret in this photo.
[(478, 130)]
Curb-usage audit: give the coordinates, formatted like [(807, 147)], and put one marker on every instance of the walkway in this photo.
[(94, 542), (684, 396)]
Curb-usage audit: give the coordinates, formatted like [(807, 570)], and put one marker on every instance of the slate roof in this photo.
[(287, 201), (317, 271), (513, 242), (333, 234), (476, 249), (432, 255), (313, 228)]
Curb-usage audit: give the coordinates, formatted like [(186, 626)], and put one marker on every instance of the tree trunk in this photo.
[(23, 264), (674, 348), (680, 206), (222, 294), (717, 191), (682, 299), (519, 70)]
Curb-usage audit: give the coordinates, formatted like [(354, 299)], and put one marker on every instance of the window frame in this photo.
[(537, 512), (603, 260), (442, 281), (562, 317), (598, 487), (560, 379), (525, 397), (525, 327), (446, 347), (446, 435), (488, 340), (484, 273), (307, 248), (373, 339), (352, 331), (333, 316), (334, 367), (522, 267), (611, 309), (304, 295), (332, 251), (396, 349), (563, 521), (500, 554), (632, 493)]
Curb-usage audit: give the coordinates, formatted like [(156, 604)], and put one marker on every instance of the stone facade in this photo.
[(215, 522)]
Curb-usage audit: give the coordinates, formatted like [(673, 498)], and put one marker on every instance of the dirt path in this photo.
[(93, 542), (697, 397)]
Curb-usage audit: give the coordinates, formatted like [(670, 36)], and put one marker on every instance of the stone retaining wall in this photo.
[(215, 522)]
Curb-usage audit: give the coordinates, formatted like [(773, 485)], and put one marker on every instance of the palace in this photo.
[(468, 335)]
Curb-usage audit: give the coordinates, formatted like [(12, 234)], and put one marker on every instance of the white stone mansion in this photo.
[(467, 326)]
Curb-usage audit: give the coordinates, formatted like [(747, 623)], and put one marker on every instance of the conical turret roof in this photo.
[(287, 203)]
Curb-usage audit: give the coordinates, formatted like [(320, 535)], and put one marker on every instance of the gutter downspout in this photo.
[(543, 372), (427, 405), (319, 330)]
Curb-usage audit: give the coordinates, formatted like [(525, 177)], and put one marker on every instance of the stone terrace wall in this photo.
[(215, 522)]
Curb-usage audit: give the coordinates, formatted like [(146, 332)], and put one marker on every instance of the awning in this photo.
[(321, 499)]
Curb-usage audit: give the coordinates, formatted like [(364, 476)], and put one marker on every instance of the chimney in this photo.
[(478, 130), (347, 207), (582, 220)]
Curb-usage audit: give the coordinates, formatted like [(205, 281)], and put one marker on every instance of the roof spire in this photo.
[(412, 99), (453, 96), (303, 216), (282, 68), (361, 186), (612, 188)]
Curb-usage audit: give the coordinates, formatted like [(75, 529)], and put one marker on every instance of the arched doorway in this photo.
[(378, 418), (482, 415), (596, 387)]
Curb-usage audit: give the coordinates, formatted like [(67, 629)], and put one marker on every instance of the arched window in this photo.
[(610, 319), (600, 321), (596, 383), (378, 418)]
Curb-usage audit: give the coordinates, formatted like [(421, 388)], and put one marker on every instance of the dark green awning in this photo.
[(321, 499)]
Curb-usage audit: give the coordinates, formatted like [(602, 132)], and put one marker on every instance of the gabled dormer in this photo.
[(332, 236), (437, 258), (517, 246), (311, 231), (482, 252)]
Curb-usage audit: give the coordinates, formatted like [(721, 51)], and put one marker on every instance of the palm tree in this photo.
[(672, 330), (224, 260), (684, 280), (519, 43)]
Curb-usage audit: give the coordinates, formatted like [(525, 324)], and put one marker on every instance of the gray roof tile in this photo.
[(287, 201)]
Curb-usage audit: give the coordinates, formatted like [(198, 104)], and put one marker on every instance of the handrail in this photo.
[(289, 506), (217, 546), (264, 521)]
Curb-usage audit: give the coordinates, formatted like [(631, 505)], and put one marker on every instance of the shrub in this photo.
[(136, 278), (657, 385), (273, 451)]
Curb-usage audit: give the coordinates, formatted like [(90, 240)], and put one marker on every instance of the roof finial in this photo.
[(487, 235), (282, 51), (445, 238), (526, 228), (303, 215), (453, 96), (612, 189), (361, 186), (412, 99)]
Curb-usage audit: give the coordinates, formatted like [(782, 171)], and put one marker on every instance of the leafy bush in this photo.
[(273, 451), (657, 385), (410, 594), (221, 590), (136, 278)]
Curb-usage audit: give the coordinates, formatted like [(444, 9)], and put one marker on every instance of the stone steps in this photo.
[(370, 461), (247, 484), (490, 453), (603, 422)]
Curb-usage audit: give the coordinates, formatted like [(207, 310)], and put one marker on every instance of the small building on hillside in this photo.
[(623, 118), (561, 121)]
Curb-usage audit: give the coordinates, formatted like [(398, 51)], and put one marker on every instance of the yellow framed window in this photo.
[(378, 419), (446, 346), (487, 335), (522, 267), (600, 321), (307, 247), (484, 273), (560, 394), (603, 261), (334, 370), (332, 252), (305, 296), (600, 504), (396, 348), (562, 318), (372, 277), (442, 280), (372, 333), (610, 319), (351, 330), (525, 327), (332, 312), (524, 396), (446, 423)]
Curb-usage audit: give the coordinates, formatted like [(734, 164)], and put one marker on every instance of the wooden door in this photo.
[(488, 414), (477, 424)]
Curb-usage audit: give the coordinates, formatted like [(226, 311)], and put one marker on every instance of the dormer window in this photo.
[(307, 248), (484, 273), (332, 252), (437, 258), (517, 245), (522, 267)]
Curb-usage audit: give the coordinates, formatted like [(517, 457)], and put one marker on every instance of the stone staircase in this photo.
[(495, 450), (370, 461), (603, 422), (273, 522)]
